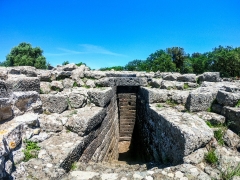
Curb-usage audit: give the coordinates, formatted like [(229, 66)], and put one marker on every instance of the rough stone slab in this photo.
[(94, 74), (228, 98), (231, 139), (6, 111), (187, 78), (78, 73), (44, 75), (170, 76), (155, 83), (26, 101), (45, 87), (77, 99), (21, 83), (54, 103), (213, 118), (30, 119), (200, 99), (130, 81), (210, 76), (64, 148), (29, 71), (101, 96), (177, 134), (3, 73), (4, 91), (154, 95), (233, 117), (85, 120), (179, 97), (120, 74), (50, 123)]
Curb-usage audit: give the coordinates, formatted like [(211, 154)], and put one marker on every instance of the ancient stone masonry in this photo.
[(80, 117)]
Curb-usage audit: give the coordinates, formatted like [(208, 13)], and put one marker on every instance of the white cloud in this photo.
[(85, 49)]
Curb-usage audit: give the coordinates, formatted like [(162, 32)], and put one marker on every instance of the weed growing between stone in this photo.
[(185, 86), (219, 136), (171, 103), (73, 166), (31, 150), (211, 157), (238, 104), (75, 84), (229, 173), (159, 105)]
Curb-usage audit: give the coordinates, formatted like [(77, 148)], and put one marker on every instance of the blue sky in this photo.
[(110, 32)]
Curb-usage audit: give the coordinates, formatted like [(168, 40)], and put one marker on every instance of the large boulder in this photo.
[(54, 103), (6, 111), (78, 73), (44, 75), (228, 98), (187, 78), (85, 120), (4, 91), (170, 76), (77, 99), (200, 99), (154, 95), (210, 76), (23, 83)]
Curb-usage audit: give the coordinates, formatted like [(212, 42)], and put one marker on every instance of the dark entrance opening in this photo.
[(128, 146)]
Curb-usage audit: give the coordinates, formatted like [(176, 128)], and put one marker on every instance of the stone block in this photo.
[(54, 103), (26, 102), (231, 139), (179, 97), (187, 78), (210, 76), (4, 91), (85, 120), (45, 87), (6, 111), (22, 83), (3, 73), (50, 123), (170, 76), (232, 115), (29, 71), (200, 99), (154, 95), (213, 118), (44, 75), (101, 96), (155, 83), (176, 134), (78, 73), (69, 67), (94, 74), (77, 99), (130, 81), (227, 98)]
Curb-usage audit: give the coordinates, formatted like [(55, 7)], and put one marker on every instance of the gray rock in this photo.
[(231, 139), (213, 118), (54, 103), (68, 83), (154, 95), (29, 71), (200, 99), (45, 87), (192, 85), (232, 115), (8, 166), (217, 108), (228, 98), (49, 123), (21, 83), (77, 100), (170, 76), (179, 97), (94, 74), (210, 76), (26, 102), (213, 173), (187, 78), (168, 85), (57, 85), (3, 73), (40, 137), (101, 96), (130, 81), (85, 120), (155, 83), (69, 67), (30, 119), (90, 83), (105, 82), (78, 73), (196, 157), (6, 111), (44, 75), (4, 91)]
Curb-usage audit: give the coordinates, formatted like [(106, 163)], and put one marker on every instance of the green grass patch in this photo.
[(211, 157), (75, 84), (219, 136), (73, 166), (55, 89), (31, 150), (238, 104), (185, 86), (230, 172), (171, 103), (159, 105), (86, 86)]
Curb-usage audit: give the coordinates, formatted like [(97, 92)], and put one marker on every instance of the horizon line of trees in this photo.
[(225, 60)]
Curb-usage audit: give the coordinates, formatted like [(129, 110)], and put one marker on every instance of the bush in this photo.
[(211, 157)]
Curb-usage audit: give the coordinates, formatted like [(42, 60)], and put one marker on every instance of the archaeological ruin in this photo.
[(74, 123)]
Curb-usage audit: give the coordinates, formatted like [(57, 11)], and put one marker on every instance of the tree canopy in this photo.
[(25, 55), (225, 60)]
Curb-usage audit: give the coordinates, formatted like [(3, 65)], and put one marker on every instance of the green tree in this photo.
[(65, 62), (226, 60), (200, 62), (178, 55), (25, 55), (116, 68), (135, 65)]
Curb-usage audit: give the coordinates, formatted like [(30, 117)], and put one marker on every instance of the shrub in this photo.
[(219, 136), (31, 150)]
